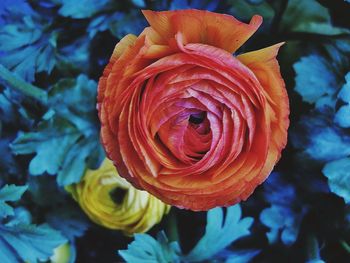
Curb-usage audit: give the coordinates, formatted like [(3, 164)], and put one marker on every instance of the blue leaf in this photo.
[(241, 256), (342, 117), (75, 100), (338, 174), (220, 232), (26, 47), (196, 4), (50, 142), (10, 193), (8, 164), (28, 242), (308, 16), (315, 79), (284, 215), (149, 250), (118, 23), (80, 9), (69, 221), (139, 3), (282, 218), (127, 23), (245, 10), (179, 4), (67, 140), (74, 56), (321, 139)]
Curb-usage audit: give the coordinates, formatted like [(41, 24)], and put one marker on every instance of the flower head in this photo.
[(184, 119), (111, 201)]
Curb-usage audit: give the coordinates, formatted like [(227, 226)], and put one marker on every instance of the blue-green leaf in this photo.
[(241, 256), (67, 140), (314, 79), (220, 232), (50, 142), (28, 242), (10, 193), (246, 10), (80, 9), (309, 16), (27, 48), (146, 249), (284, 215), (338, 174), (320, 139), (69, 221), (139, 3), (342, 117)]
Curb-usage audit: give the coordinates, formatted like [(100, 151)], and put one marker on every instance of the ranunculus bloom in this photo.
[(184, 119), (111, 201)]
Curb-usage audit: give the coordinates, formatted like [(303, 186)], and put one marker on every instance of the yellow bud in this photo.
[(110, 201)]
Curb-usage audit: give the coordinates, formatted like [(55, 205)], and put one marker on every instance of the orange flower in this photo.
[(184, 119)]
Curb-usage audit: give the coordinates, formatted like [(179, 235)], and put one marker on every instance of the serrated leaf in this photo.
[(69, 221), (50, 142), (75, 101), (127, 23), (308, 16), (338, 174), (80, 9), (320, 139), (139, 3), (220, 232), (28, 242), (315, 79), (8, 165), (241, 256), (149, 250), (10, 193), (284, 215), (342, 117), (67, 139), (26, 47), (247, 9)]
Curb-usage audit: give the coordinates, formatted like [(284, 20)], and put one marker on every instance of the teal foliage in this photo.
[(338, 176), (48, 140), (284, 216), (309, 84), (19, 238), (79, 9), (66, 141), (27, 46), (220, 232), (147, 249), (9, 193)]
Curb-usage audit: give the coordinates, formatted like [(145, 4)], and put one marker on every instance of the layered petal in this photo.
[(184, 119), (197, 26), (112, 202)]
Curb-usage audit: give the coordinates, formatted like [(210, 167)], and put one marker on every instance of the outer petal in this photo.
[(265, 66), (222, 31), (119, 49)]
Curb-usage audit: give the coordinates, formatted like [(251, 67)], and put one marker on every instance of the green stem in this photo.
[(313, 249), (345, 245), (19, 84), (172, 229)]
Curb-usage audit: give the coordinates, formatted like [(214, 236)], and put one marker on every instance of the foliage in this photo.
[(220, 232), (52, 53), (19, 238)]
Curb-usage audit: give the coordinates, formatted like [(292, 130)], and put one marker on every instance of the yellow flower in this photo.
[(110, 201)]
